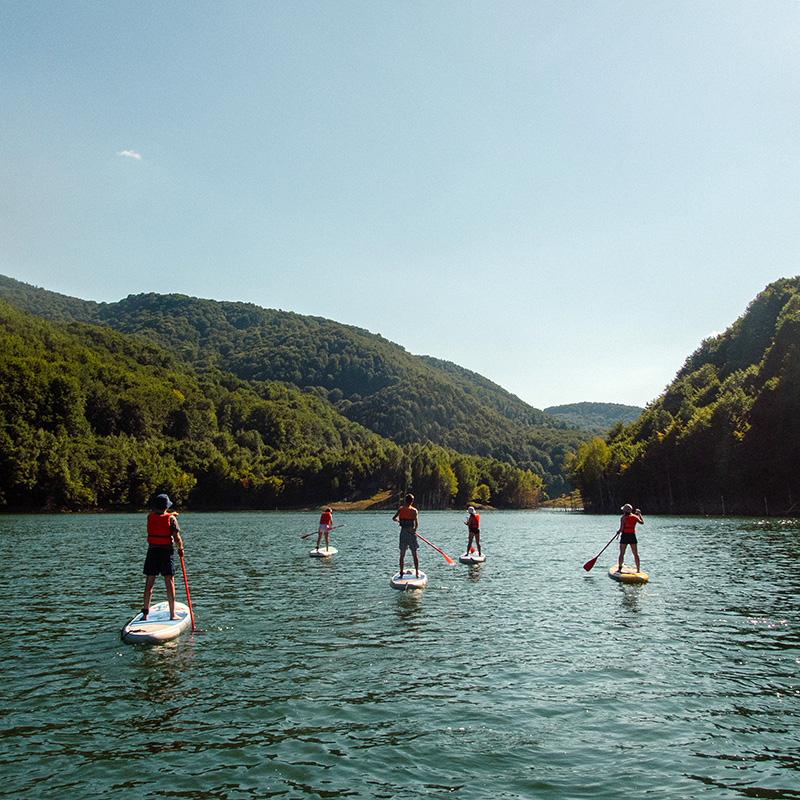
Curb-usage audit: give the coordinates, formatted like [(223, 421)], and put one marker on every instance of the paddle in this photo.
[(590, 563), (330, 529), (188, 599), (446, 557)]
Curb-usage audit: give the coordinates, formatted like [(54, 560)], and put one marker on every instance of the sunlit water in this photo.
[(525, 677)]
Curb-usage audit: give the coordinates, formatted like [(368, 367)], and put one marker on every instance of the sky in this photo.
[(565, 196)]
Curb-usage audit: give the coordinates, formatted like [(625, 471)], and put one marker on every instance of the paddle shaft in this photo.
[(188, 599), (330, 529), (446, 557), (590, 563)]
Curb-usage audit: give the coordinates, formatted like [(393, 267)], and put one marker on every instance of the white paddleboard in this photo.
[(408, 580), (472, 558), (158, 627), (323, 553), (627, 574)]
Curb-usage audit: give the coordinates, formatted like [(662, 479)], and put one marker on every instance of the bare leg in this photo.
[(478, 541), (402, 561), (319, 539), (622, 549), (469, 542), (148, 592), (416, 561), (635, 552), (326, 540), (169, 582)]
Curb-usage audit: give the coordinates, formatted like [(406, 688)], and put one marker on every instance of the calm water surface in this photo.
[(525, 677)]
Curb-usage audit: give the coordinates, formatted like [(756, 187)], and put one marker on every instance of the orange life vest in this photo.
[(629, 523), (159, 532), (326, 518), (406, 515), (474, 522)]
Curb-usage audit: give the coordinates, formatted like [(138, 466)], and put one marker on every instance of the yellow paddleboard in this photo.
[(627, 574)]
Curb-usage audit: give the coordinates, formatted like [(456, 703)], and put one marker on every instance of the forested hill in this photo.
[(371, 381), (598, 418), (725, 435)]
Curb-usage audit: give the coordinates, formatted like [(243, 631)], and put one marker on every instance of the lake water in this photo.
[(525, 677)]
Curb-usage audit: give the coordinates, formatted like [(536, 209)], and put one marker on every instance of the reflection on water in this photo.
[(521, 677)]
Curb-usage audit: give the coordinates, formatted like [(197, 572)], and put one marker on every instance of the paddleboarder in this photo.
[(474, 527), (627, 527), (162, 532), (408, 517), (325, 524)]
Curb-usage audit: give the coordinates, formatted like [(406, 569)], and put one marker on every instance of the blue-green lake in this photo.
[(524, 677)]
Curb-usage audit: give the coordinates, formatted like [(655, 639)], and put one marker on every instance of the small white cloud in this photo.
[(130, 154)]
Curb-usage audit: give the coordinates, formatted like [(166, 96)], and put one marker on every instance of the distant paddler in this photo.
[(408, 517), (473, 524), (325, 525), (627, 527)]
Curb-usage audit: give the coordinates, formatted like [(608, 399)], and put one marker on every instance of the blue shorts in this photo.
[(408, 540), (159, 561)]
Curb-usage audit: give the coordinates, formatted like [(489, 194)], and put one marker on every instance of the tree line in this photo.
[(91, 418)]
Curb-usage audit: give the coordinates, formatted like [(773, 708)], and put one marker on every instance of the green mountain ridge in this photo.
[(414, 402), (598, 418)]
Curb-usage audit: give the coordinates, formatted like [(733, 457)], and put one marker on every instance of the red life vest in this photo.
[(474, 522), (326, 518), (159, 532), (629, 523)]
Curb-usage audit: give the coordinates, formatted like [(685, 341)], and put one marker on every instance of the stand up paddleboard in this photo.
[(158, 627), (323, 553), (472, 558), (627, 574), (408, 580)]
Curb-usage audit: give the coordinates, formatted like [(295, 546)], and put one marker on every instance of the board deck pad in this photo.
[(158, 627), (627, 574), (323, 553), (408, 580), (472, 558)]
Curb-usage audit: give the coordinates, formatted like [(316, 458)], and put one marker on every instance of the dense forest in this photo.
[(93, 418), (598, 418), (724, 438)]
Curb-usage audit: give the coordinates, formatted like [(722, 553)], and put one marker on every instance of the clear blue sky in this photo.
[(566, 197)]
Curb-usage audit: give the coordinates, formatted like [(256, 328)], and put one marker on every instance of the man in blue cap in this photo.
[(162, 530)]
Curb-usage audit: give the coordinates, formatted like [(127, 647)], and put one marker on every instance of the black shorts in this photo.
[(628, 538), (408, 540), (159, 561)]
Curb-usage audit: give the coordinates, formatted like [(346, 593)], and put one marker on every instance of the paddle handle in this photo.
[(188, 599)]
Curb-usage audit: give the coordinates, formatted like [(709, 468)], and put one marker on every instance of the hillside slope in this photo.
[(725, 435), (372, 381)]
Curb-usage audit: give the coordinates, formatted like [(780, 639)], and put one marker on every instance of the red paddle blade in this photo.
[(448, 559), (589, 564)]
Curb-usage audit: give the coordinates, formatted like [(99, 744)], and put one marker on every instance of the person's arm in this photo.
[(621, 524), (176, 533), (639, 514), (416, 519), (396, 514)]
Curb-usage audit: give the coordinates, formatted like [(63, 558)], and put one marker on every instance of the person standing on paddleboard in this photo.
[(162, 531), (408, 517), (325, 524), (474, 527), (627, 527)]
